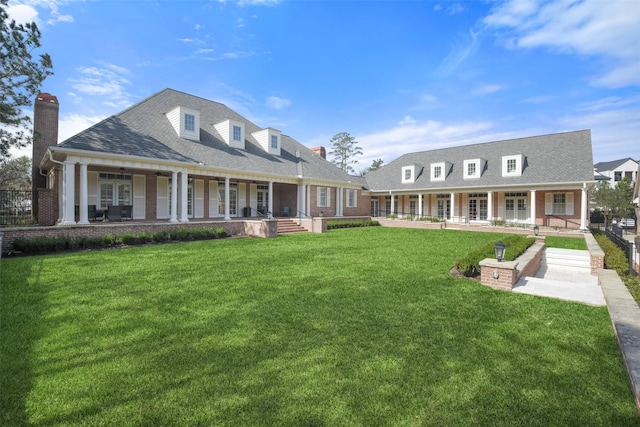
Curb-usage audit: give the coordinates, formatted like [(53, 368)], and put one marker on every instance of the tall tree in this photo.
[(375, 165), (616, 202), (21, 75), (15, 174), (344, 149)]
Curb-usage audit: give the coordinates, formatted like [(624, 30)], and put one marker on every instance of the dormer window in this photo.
[(189, 122), (438, 171), (232, 132), (186, 122), (269, 139), (410, 173), (512, 165), (237, 133), (473, 168)]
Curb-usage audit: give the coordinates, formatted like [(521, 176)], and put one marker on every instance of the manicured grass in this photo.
[(565, 243), (354, 327)]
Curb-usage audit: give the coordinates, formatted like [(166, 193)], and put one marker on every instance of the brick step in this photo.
[(287, 226)]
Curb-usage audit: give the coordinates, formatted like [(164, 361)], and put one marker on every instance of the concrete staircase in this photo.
[(287, 226), (564, 274)]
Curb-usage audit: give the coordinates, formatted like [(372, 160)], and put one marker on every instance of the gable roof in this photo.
[(144, 131), (611, 165), (547, 159)]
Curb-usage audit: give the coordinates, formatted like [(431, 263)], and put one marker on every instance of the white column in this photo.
[(270, 199), (227, 197), (300, 205), (174, 197), (340, 201), (84, 195), (583, 208), (393, 204), (453, 206), (533, 207), (68, 194), (420, 205), (184, 193), (489, 206)]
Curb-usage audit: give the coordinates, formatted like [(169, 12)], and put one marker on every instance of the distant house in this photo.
[(617, 170), (542, 180), (176, 157)]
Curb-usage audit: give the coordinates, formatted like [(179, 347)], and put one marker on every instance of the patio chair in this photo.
[(114, 213), (284, 211), (127, 211)]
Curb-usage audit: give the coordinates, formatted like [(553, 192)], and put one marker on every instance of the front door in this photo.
[(374, 207)]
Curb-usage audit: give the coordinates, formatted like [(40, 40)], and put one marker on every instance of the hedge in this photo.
[(469, 265), (42, 245), (332, 225), (615, 259)]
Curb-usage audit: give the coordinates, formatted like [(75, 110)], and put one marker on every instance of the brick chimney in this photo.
[(45, 134), (320, 151)]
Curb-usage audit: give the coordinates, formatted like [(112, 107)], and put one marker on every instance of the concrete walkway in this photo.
[(564, 275)]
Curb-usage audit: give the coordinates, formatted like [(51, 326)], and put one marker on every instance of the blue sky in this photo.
[(400, 76)]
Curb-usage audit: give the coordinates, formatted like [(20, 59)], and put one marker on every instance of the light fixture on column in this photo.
[(500, 249)]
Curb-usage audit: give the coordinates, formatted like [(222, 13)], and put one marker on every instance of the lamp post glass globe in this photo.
[(500, 249)]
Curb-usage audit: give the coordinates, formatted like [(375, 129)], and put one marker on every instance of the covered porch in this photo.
[(553, 207)]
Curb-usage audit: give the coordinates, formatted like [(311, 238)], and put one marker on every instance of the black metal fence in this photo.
[(616, 235), (16, 208)]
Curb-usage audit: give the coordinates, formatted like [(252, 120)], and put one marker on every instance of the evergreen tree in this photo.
[(21, 76), (344, 149)]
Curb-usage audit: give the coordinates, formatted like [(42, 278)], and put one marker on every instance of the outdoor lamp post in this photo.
[(500, 250), (536, 230)]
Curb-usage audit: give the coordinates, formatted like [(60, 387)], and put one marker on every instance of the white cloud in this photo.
[(411, 135), (459, 52), (107, 81), (72, 124), (277, 103), (486, 89), (22, 13), (614, 132), (608, 30), (258, 2)]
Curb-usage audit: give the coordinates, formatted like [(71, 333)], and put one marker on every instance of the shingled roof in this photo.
[(561, 158), (144, 131)]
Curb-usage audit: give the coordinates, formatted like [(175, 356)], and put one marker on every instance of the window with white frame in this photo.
[(472, 168), (189, 122), (512, 165), (274, 142), (323, 197), (438, 171), (478, 206), (515, 205), (237, 133), (558, 203), (352, 197), (408, 174)]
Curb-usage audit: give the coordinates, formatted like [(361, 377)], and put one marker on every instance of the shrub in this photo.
[(615, 259), (469, 265), (333, 225)]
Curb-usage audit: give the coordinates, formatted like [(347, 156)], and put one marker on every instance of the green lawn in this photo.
[(352, 327)]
